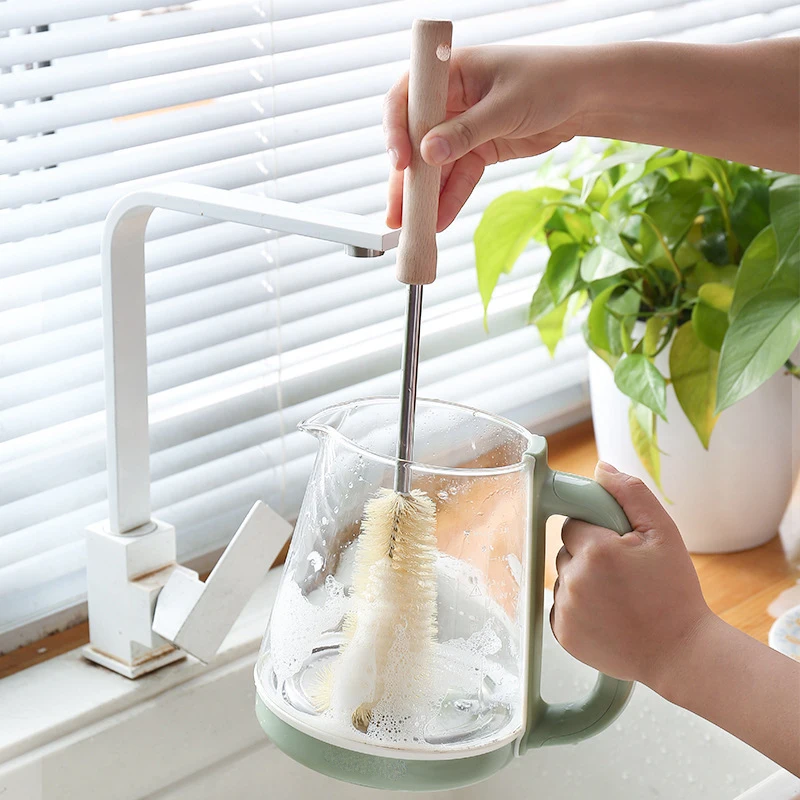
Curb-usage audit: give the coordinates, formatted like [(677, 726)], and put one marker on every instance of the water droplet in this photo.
[(324, 520), (706, 737), (617, 727), (648, 760), (350, 485), (336, 509), (442, 495), (690, 778), (625, 776)]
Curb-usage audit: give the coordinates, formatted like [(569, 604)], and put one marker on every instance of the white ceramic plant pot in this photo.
[(729, 497)]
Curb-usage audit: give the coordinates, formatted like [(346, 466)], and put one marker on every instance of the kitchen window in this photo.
[(248, 332)]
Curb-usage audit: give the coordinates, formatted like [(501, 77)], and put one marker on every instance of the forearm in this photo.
[(740, 685), (739, 102)]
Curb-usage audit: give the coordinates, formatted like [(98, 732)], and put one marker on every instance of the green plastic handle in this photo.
[(584, 499)]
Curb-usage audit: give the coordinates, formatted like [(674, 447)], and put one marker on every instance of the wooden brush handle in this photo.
[(427, 98)]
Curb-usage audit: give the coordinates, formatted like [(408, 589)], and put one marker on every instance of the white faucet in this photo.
[(145, 610)]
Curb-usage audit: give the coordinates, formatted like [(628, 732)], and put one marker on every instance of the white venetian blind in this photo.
[(248, 332)]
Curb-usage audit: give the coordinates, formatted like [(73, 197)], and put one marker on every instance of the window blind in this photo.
[(248, 331)]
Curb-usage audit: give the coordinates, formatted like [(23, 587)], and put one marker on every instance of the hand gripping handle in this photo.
[(584, 499)]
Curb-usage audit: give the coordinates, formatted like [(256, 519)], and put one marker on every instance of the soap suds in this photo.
[(297, 624)]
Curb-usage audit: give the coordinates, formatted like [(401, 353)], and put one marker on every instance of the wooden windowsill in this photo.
[(737, 586)]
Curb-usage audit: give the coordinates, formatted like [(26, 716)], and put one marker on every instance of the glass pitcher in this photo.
[(476, 703)]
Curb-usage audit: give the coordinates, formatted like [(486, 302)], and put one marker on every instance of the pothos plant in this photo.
[(668, 250)]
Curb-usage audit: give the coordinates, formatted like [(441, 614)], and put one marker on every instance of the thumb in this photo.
[(640, 505), (456, 137)]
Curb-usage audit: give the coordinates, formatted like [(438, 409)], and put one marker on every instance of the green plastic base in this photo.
[(379, 772)]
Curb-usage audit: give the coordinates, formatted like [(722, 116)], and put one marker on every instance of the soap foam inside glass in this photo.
[(468, 693)]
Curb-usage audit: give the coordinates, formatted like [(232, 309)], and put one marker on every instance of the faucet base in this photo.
[(149, 664), (125, 574)]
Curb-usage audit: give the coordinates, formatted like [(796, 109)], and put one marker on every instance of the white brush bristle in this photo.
[(392, 629)]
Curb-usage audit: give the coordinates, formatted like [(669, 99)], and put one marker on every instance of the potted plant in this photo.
[(690, 269)]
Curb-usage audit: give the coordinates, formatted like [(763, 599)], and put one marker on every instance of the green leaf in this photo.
[(505, 229), (628, 156), (609, 257), (556, 222), (541, 303), (758, 342), (673, 213), (602, 327), (637, 377), (687, 255), (693, 369), (551, 326), (556, 239), (750, 211), (715, 169), (642, 423), (652, 335), (714, 246), (757, 267), (710, 314), (705, 272), (658, 160), (579, 225), (784, 204), (562, 270)]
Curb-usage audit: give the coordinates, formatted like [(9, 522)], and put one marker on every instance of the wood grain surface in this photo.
[(428, 74)]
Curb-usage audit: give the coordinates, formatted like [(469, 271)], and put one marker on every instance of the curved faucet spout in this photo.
[(122, 267)]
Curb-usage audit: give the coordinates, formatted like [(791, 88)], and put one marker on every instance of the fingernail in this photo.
[(438, 149), (393, 157), (602, 466)]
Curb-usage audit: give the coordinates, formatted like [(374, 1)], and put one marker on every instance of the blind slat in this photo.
[(29, 13), (209, 123), (123, 172), (50, 45)]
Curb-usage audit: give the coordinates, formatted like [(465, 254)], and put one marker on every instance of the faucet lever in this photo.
[(196, 616)]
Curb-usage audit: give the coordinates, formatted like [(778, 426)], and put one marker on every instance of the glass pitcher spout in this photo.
[(328, 420), (448, 436)]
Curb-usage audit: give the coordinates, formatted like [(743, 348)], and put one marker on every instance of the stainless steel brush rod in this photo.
[(408, 390)]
